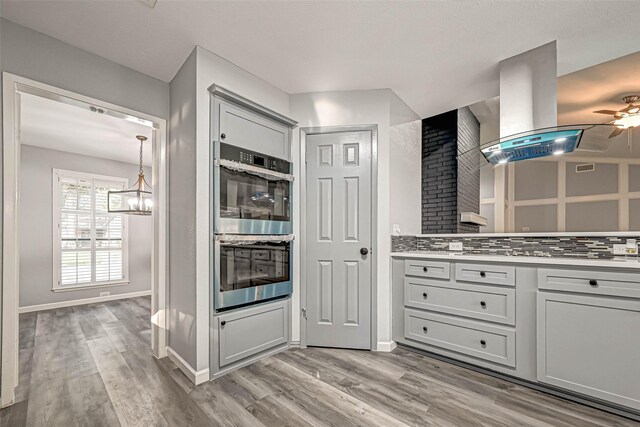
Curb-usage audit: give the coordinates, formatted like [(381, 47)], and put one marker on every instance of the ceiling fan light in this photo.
[(628, 122)]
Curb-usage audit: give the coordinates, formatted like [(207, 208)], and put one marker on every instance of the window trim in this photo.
[(56, 240)]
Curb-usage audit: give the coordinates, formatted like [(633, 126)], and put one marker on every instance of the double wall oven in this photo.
[(252, 242)]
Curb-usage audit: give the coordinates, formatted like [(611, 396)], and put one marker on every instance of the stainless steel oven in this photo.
[(252, 192), (251, 269)]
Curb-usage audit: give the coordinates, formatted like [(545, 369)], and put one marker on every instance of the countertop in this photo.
[(567, 262)]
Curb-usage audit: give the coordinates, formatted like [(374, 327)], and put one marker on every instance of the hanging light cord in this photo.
[(141, 170)]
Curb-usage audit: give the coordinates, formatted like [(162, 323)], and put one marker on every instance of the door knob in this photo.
[(364, 251)]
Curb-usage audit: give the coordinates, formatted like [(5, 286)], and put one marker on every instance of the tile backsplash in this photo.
[(557, 246)]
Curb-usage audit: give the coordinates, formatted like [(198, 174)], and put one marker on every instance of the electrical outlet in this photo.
[(105, 294), (396, 229), (455, 246), (620, 249)]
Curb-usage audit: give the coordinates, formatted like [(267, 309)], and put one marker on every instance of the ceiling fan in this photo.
[(626, 118)]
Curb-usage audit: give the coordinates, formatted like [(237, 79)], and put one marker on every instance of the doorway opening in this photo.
[(66, 243)]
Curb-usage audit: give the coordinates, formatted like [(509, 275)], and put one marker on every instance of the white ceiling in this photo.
[(436, 55), (57, 126)]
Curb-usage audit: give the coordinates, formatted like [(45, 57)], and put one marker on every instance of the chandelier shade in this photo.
[(136, 200)]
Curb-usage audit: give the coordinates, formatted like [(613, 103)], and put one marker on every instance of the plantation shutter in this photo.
[(91, 241)]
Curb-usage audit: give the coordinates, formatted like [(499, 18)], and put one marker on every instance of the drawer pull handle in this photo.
[(223, 322), (425, 269), (483, 304), (593, 282), (424, 329), (483, 343), (424, 295), (483, 274), (223, 136)]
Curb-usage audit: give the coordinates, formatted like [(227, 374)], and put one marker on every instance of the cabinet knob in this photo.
[(223, 322), (483, 343), (424, 295), (424, 329), (483, 304), (593, 282), (223, 135), (483, 274), (425, 269)]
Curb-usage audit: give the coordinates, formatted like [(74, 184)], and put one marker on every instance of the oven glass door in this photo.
[(244, 196), (253, 272)]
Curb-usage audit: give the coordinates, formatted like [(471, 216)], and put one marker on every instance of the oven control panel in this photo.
[(248, 157)]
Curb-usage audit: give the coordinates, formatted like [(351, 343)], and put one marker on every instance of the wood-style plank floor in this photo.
[(91, 366)]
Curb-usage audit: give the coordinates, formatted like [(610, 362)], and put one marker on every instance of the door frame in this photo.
[(304, 133), (13, 86)]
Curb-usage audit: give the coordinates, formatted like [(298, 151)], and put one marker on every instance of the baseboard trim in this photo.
[(386, 346), (83, 301), (196, 377), (294, 344)]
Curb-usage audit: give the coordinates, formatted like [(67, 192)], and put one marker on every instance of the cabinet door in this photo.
[(252, 131), (590, 345), (244, 333)]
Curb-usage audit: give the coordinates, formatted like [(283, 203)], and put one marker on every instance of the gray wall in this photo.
[(182, 213), (36, 222), (31, 54)]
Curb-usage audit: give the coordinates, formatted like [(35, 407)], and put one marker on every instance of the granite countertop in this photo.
[(518, 259)]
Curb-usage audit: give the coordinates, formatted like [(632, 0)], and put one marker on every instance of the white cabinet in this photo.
[(477, 339), (244, 128), (244, 333), (590, 345), (491, 303)]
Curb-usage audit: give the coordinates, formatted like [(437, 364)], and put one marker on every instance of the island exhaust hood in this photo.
[(533, 144)]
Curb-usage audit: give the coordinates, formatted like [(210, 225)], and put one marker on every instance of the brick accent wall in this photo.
[(468, 172), (439, 173), (450, 178)]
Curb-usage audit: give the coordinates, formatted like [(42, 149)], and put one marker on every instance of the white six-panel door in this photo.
[(338, 230)]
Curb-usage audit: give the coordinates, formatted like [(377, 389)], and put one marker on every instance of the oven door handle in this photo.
[(254, 170), (246, 239)]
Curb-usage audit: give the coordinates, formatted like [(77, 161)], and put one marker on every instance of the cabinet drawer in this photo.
[(590, 282), (490, 303), (425, 268), (492, 343), (248, 332), (590, 345), (486, 273)]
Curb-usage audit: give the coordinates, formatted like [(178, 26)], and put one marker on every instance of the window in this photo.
[(90, 244)]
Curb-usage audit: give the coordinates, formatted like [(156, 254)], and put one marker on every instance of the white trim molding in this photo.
[(83, 301), (196, 377), (386, 346)]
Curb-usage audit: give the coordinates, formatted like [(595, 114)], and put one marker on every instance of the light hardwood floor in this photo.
[(91, 366)]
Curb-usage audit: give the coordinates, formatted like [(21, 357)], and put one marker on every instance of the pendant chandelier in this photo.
[(136, 200)]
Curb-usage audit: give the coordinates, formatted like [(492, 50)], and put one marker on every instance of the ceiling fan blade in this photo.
[(616, 132), (610, 112)]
